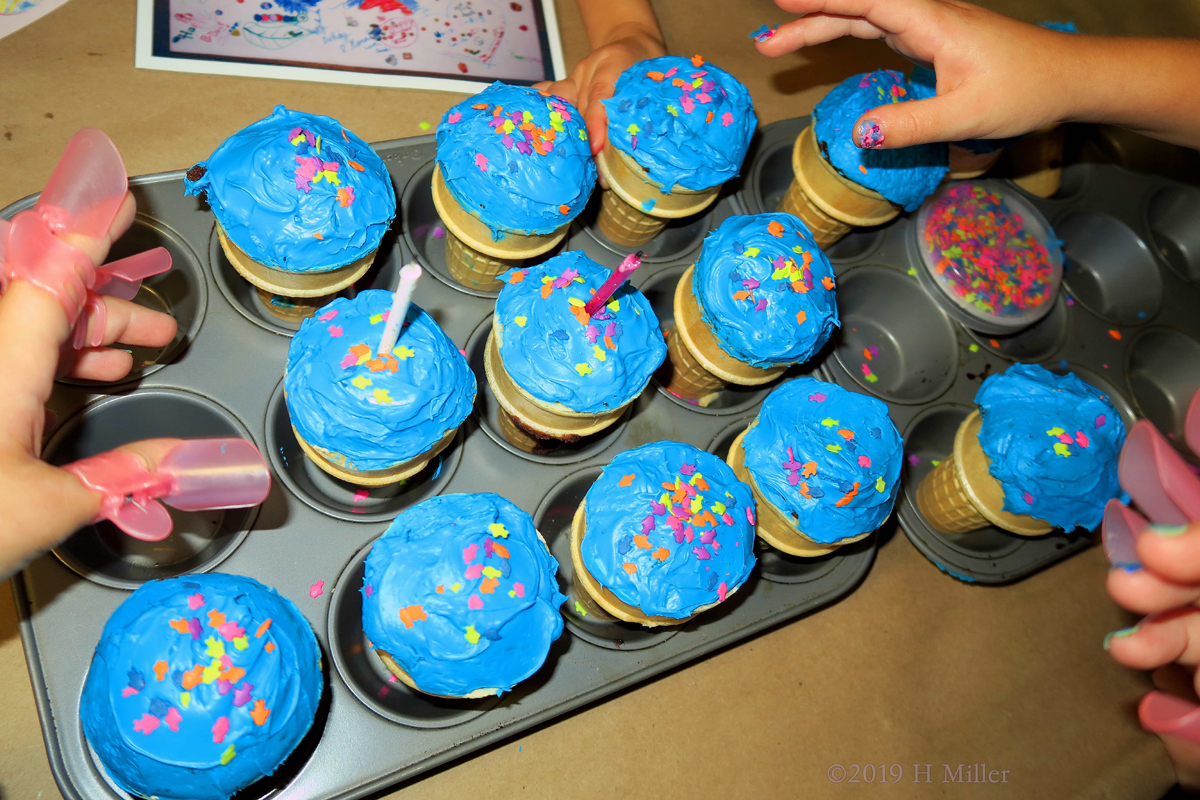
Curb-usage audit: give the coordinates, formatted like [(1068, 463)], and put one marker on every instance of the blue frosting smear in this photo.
[(298, 192), (766, 290), (827, 457), (684, 121), (1061, 27), (669, 529), (377, 412), (554, 351), (924, 85), (1054, 442), (517, 159), (200, 685), (905, 175), (462, 593)]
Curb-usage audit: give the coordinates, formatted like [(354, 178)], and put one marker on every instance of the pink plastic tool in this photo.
[(626, 268), (1157, 478), (195, 475), (1167, 714), (1122, 526), (1191, 425)]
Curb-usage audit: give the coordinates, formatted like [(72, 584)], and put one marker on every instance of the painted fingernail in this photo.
[(1108, 637), (1164, 713), (1168, 530), (763, 33), (868, 134)]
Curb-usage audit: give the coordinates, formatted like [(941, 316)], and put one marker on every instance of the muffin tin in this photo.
[(223, 377), (1127, 322)]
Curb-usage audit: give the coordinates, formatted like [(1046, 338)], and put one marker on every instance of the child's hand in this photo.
[(40, 504), (997, 77)]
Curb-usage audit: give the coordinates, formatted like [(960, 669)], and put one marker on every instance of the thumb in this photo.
[(936, 119)]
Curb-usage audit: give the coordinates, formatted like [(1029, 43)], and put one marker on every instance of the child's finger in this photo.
[(1172, 551), (103, 364), (816, 29), (937, 119), (600, 88), (129, 323), (1143, 592), (97, 249), (32, 329), (1173, 636)]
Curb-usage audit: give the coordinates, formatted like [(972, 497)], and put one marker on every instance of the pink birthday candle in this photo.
[(614, 282)]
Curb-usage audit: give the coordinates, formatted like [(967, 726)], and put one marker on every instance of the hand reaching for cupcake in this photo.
[(622, 33), (998, 77)]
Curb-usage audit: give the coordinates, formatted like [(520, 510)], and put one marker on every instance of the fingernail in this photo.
[(1122, 633), (1164, 713), (1128, 566), (1168, 530), (868, 134)]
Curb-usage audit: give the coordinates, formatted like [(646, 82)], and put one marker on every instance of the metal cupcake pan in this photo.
[(223, 376), (1127, 321)]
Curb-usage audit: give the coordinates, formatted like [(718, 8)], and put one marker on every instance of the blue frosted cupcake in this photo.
[(200, 685), (1040, 453), (301, 203), (824, 464), (514, 167), (665, 532), (760, 298), (460, 596), (371, 419), (678, 128), (557, 373)]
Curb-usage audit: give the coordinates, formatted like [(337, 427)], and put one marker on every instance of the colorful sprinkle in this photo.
[(316, 589)]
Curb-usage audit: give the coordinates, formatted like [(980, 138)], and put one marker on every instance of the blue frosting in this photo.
[(669, 551), (1061, 27), (684, 124), (905, 175), (377, 412), (827, 457), (553, 351), (298, 192), (766, 290), (1054, 442), (462, 593), (517, 159), (200, 685)]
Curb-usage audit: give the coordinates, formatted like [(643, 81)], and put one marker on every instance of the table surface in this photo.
[(912, 668)]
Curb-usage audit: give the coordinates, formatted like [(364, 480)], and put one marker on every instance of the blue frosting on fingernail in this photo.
[(826, 457), (297, 192), (555, 352), (905, 175), (1053, 442), (462, 593), (200, 685), (376, 411), (670, 551), (516, 158), (686, 122), (766, 290)]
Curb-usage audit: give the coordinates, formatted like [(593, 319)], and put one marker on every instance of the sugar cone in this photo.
[(537, 418), (965, 165), (825, 229), (407, 680), (342, 468), (598, 595), (293, 284), (1037, 160), (292, 309), (634, 208), (473, 257), (698, 351), (771, 525), (834, 194), (960, 495)]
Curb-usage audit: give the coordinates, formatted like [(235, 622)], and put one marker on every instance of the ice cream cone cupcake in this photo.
[(460, 596), (1040, 453), (559, 373), (759, 299), (678, 128), (823, 463), (301, 206), (858, 187), (368, 419), (514, 167), (665, 533)]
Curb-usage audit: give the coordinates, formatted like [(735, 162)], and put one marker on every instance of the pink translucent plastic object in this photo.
[(195, 475), (1191, 425), (122, 279), (1167, 714), (1157, 478), (87, 187), (1122, 526)]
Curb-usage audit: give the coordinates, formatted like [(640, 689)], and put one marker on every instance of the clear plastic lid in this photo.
[(988, 256)]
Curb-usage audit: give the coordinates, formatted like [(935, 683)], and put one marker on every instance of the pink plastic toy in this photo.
[(1122, 526), (1191, 425), (196, 475), (1157, 478)]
